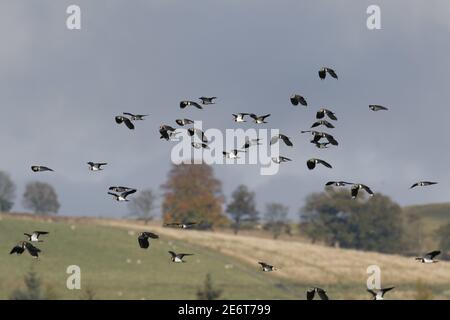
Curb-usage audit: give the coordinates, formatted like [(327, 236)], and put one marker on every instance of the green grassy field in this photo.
[(114, 266)]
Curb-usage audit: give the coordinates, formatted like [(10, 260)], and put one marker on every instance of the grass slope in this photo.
[(114, 266)]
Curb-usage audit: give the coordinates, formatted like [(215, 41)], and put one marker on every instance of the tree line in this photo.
[(193, 193)]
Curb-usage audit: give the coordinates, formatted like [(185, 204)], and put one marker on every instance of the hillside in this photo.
[(116, 268), (425, 220)]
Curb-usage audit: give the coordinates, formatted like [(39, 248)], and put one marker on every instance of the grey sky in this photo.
[(60, 91)]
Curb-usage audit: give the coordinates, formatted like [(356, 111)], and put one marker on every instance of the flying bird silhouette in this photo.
[(178, 257), (185, 103), (323, 73), (298, 99), (122, 119), (40, 168), (379, 294), (429, 257), (143, 239), (311, 292), (311, 163), (423, 184)]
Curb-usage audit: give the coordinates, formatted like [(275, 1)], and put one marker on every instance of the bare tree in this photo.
[(142, 205), (276, 219), (7, 192), (41, 198)]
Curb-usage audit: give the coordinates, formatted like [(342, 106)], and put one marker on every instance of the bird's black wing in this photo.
[(40, 232), (32, 249), (181, 255), (332, 73), (195, 104), (330, 114), (367, 189), (384, 290), (127, 193), (327, 124), (128, 123), (173, 254), (433, 254), (302, 101), (17, 250), (310, 294), (326, 164), (128, 114), (322, 294), (151, 235), (286, 140), (414, 185), (294, 100)]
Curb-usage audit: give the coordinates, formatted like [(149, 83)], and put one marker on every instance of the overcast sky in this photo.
[(60, 90)]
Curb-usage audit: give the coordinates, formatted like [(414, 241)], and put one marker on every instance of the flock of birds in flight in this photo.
[(320, 139)]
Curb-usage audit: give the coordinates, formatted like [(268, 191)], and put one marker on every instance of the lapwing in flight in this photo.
[(311, 292), (178, 257), (34, 237), (379, 294), (40, 168), (208, 100), (279, 136), (298, 99), (183, 122), (186, 225), (259, 119), (128, 123), (239, 117), (135, 117), (429, 257), (24, 245), (143, 239), (185, 103), (123, 195), (376, 107), (267, 267), (423, 184), (323, 73), (357, 186), (311, 163), (325, 112), (96, 166)]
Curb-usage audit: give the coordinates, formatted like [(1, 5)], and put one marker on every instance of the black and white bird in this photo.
[(166, 131), (311, 163), (325, 112), (429, 257), (135, 117), (128, 123), (143, 239), (183, 122), (317, 136), (323, 73), (123, 195), (198, 145), (376, 107), (178, 257), (311, 292), (34, 237), (338, 183), (356, 187), (233, 154), (321, 145), (186, 225), (279, 136), (267, 267), (239, 117), (119, 189), (185, 103), (259, 119), (280, 159), (24, 245), (251, 142), (40, 168), (322, 123), (379, 294), (422, 184), (200, 134), (208, 100), (298, 99), (96, 166)]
